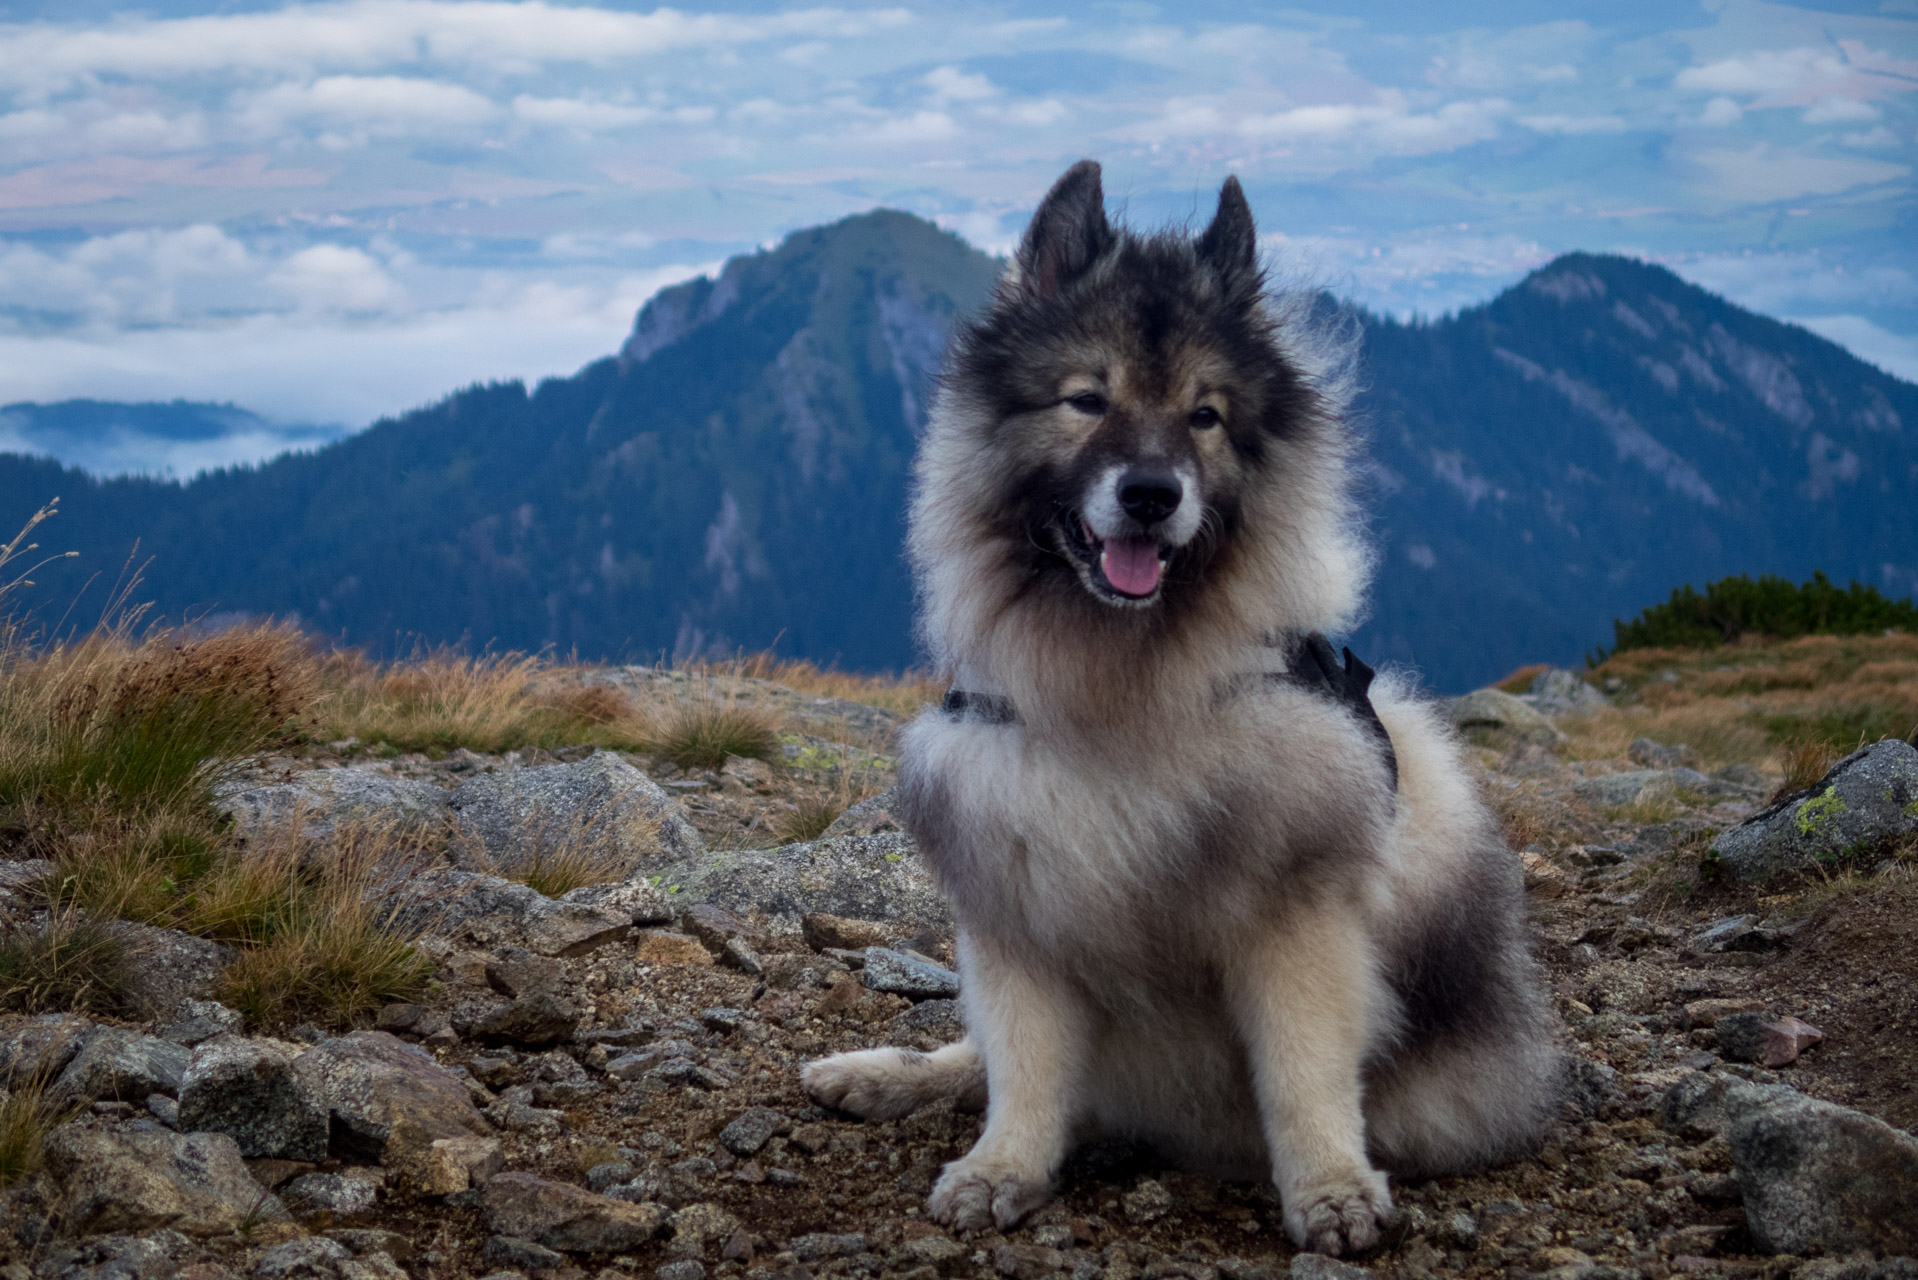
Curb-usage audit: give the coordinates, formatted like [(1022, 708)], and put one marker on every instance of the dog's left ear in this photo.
[(1231, 243)]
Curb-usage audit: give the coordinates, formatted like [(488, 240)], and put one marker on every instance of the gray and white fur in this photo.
[(1194, 908)]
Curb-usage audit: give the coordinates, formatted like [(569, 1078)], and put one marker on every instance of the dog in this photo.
[(1215, 891)]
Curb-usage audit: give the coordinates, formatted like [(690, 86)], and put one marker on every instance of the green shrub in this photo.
[(1768, 606)]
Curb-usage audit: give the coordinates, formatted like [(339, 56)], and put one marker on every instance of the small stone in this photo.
[(306, 1259), (164, 1109), (398, 1018), (738, 953), (543, 1017), (724, 1021), (566, 1217), (684, 1269), (700, 1227), (340, 1195), (1784, 1040), (821, 1246), (1706, 1013), (133, 1179), (1148, 1201), (663, 947), (914, 977), (1316, 1266), (1741, 1036), (824, 932), (198, 1020), (1027, 1261), (753, 1129), (511, 1251)]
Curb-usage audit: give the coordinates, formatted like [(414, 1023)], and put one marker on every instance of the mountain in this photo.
[(735, 476), (177, 437), (1569, 452)]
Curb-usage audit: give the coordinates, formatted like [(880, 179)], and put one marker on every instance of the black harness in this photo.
[(1310, 664)]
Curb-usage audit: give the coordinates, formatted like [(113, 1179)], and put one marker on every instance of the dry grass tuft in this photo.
[(557, 857), (65, 961), (809, 814), (317, 946), (1806, 760), (700, 735), (903, 694), (27, 1115)]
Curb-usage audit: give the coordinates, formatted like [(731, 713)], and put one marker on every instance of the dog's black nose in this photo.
[(1149, 496)]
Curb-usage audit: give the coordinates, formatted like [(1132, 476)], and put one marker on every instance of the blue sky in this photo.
[(330, 211)]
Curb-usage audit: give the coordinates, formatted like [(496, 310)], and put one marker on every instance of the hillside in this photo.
[(736, 475)]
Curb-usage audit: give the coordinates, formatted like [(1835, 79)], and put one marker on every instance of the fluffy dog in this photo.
[(1211, 895)]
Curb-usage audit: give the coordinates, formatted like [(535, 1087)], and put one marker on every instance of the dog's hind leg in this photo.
[(885, 1084)]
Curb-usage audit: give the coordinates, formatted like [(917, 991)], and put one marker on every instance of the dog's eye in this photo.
[(1088, 402), (1205, 416)]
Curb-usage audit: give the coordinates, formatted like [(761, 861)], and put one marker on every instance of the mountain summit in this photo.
[(736, 475)]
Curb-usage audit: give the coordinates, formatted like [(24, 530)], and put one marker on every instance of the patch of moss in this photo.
[(1819, 811)]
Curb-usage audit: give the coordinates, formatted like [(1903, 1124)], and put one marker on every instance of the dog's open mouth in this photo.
[(1127, 567)]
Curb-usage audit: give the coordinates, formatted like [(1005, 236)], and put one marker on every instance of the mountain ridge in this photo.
[(737, 472)]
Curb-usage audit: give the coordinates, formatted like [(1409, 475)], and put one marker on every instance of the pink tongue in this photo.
[(1131, 565)]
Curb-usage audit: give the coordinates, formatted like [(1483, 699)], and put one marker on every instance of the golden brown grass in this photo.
[(556, 857), (65, 961), (902, 694), (493, 703), (1757, 701), (700, 735), (1805, 761), (311, 924), (809, 813), (27, 1115)]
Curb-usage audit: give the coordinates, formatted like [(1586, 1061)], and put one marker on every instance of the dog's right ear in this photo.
[(1067, 234)]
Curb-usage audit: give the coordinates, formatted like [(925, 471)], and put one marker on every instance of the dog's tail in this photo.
[(885, 1084)]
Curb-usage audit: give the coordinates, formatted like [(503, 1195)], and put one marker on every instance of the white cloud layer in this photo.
[(238, 205)]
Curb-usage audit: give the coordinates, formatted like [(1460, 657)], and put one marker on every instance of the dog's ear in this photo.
[(1067, 234), (1231, 243)]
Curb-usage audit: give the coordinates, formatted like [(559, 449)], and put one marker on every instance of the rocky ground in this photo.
[(605, 1083)]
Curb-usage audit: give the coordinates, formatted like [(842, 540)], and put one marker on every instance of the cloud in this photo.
[(336, 278), (1836, 110), (1574, 125), (1721, 113), (320, 367), (117, 177), (949, 84), (1763, 173), (1804, 75), (1895, 353), (364, 106), (360, 35)]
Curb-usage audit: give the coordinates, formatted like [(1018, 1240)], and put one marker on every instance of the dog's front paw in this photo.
[(872, 1084), (1341, 1217), (972, 1195)]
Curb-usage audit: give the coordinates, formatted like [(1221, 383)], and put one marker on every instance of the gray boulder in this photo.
[(1868, 799), (252, 1092), (561, 1216), (601, 806), (140, 1176), (328, 797), (1815, 1177), (374, 1083), (490, 914), (41, 1047), (1494, 709), (1557, 691), (169, 967), (344, 1195), (879, 877), (119, 1065), (1820, 1178), (196, 1021)]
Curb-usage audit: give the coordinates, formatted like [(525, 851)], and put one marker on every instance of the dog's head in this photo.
[(1131, 391)]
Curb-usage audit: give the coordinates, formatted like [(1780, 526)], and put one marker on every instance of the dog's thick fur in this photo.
[(1195, 908)]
